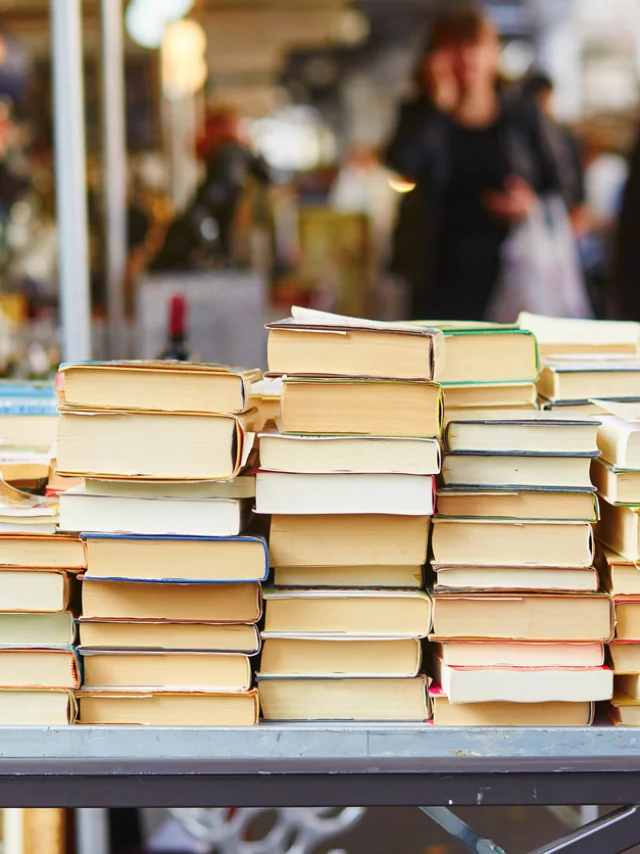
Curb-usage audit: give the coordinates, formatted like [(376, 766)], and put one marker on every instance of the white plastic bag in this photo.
[(541, 270)]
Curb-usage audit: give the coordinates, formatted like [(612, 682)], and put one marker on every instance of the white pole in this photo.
[(71, 192), (92, 831), (13, 831), (115, 170)]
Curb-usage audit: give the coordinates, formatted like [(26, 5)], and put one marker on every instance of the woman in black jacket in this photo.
[(478, 162)]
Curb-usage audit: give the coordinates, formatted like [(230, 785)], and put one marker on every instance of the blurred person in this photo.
[(623, 297), (478, 162)]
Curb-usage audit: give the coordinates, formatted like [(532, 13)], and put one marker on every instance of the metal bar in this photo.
[(613, 834), (92, 831), (71, 194), (115, 170), (461, 831)]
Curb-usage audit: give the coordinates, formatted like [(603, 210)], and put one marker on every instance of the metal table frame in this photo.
[(332, 765)]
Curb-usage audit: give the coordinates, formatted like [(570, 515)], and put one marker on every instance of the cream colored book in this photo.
[(516, 432), (519, 654), (182, 709), (348, 576), (523, 504), (618, 575), (39, 668), (488, 471), (104, 634), (510, 714), (241, 487), (619, 530), (627, 619), (329, 657), (616, 486), (584, 379), (505, 578), (490, 396), (574, 336), (39, 590), (36, 707), (344, 699), (625, 656)]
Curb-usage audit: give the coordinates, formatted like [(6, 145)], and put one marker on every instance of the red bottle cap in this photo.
[(177, 315)]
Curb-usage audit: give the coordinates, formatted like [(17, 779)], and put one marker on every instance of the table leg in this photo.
[(92, 831), (461, 831), (614, 833)]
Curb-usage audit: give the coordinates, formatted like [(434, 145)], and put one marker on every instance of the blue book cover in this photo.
[(20, 405), (27, 388)]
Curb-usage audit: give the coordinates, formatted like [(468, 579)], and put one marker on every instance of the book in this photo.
[(189, 603), (153, 445), (23, 513), (285, 493), (369, 407), (168, 709), (576, 618), (619, 529), (35, 430), (627, 618), (524, 684), (188, 517), (523, 504), (42, 590), (619, 437), (240, 487), (361, 454), (628, 684), (624, 710), (328, 657), (618, 575), (616, 486), (344, 699), (583, 379), (348, 540), (25, 707), (625, 656), (25, 467), (517, 432), (178, 637), (486, 353), (36, 390), (36, 630), (175, 559), (515, 578), (39, 668), (498, 542), (342, 611), (316, 343), (571, 336), (41, 551), (508, 714), (484, 396), (132, 670), (492, 471), (348, 576), (514, 654), (160, 385)]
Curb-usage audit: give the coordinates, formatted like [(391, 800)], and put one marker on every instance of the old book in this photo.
[(524, 684), (341, 611), (508, 714), (153, 445), (316, 343), (489, 396), (161, 385), (98, 634), (168, 709), (35, 431), (37, 630), (188, 517), (335, 657), (344, 699), (39, 668), (44, 590), (498, 542), (619, 437), (578, 618), (176, 559), (42, 551), (617, 486), (491, 471), (627, 618), (515, 578), (574, 336), (624, 710), (132, 670), (486, 353), (520, 432), (582, 379), (241, 487), (619, 529), (625, 656), (628, 684), (618, 575), (334, 454), (348, 576), (286, 493), (214, 603), (370, 407), (515, 654), (348, 540), (523, 504), (36, 707)]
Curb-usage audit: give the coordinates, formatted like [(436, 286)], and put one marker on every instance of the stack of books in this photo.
[(617, 475), (519, 622), (487, 366), (171, 594), (28, 426), (348, 479)]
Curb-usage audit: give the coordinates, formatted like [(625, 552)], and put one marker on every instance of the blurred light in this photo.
[(293, 140), (171, 10), (400, 185), (146, 19), (516, 59), (352, 27), (184, 64)]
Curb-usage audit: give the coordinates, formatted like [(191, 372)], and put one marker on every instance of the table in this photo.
[(329, 765)]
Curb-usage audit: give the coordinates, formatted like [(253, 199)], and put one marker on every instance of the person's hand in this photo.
[(514, 204), (440, 80)]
